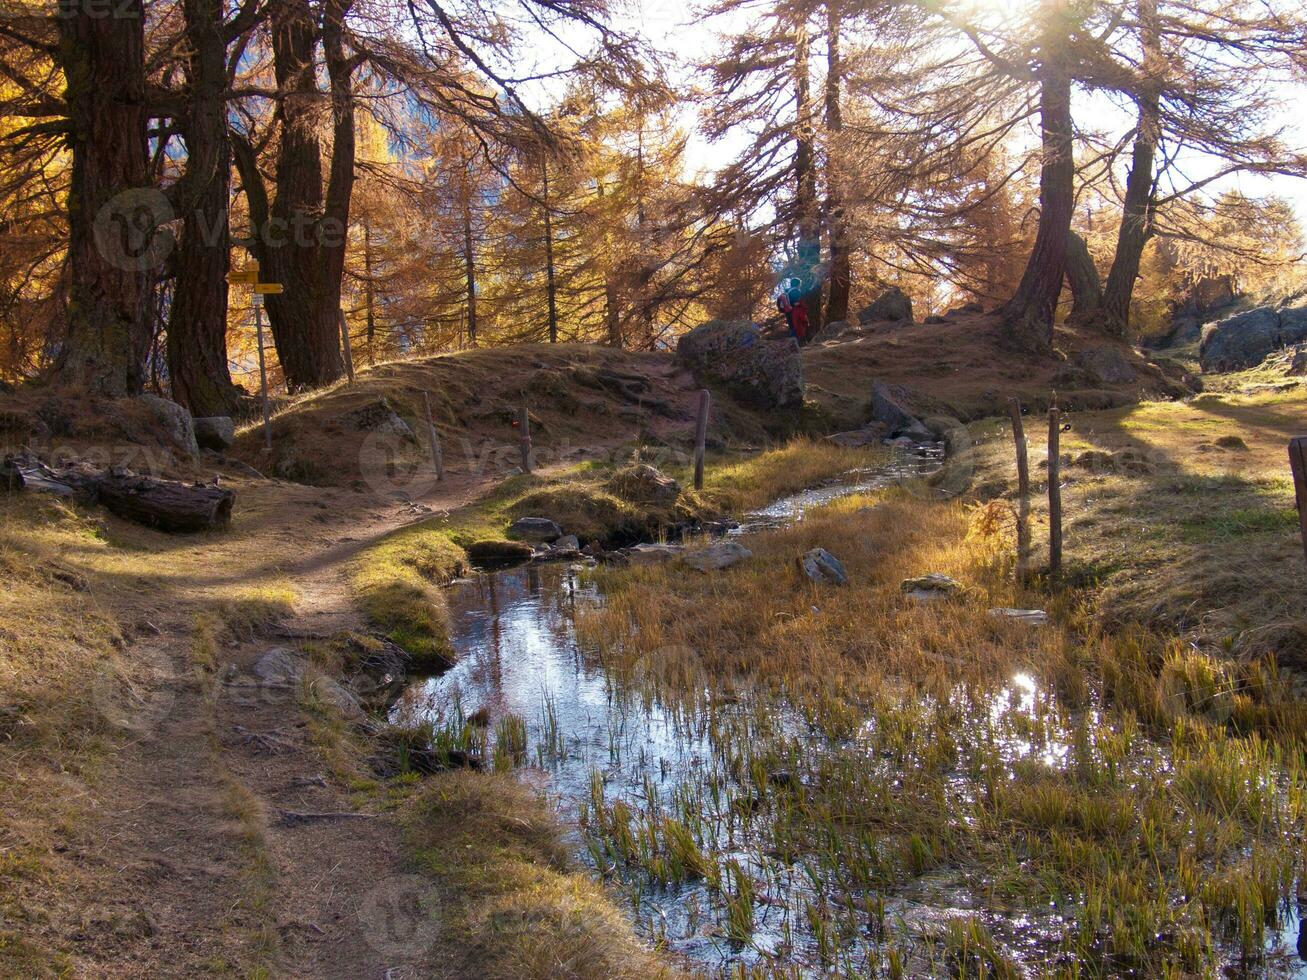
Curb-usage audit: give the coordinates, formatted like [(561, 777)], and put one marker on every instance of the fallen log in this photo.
[(163, 504), (166, 505)]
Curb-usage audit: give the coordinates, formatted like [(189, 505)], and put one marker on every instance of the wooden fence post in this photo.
[(1298, 463), (433, 439), (701, 437), (1023, 489), (1054, 491), (344, 340), (524, 423)]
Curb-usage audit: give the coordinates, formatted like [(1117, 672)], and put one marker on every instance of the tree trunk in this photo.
[(805, 173), (1082, 277), (1137, 210), (197, 325), (837, 302), (301, 241), (112, 247), (551, 284), (369, 292), (1029, 314), (470, 266)]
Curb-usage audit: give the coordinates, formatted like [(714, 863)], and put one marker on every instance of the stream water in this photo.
[(610, 754)]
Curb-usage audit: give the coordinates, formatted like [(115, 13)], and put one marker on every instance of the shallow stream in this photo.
[(680, 801)]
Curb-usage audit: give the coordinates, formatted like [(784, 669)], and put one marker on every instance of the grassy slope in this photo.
[(1180, 526)]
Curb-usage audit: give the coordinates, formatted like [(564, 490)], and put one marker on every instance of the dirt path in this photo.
[(223, 844)]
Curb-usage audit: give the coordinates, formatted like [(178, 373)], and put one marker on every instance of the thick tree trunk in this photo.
[(551, 282), (369, 293), (1029, 314), (1082, 277), (301, 241), (837, 302), (197, 326), (805, 172), (1137, 210), (111, 234)]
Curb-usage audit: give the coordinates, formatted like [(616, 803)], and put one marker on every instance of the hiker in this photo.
[(785, 306), (799, 315)]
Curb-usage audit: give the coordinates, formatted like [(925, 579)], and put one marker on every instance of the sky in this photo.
[(666, 24)]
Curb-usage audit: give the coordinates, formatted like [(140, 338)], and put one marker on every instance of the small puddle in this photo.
[(623, 765)]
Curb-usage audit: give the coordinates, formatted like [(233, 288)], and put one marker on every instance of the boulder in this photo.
[(1029, 617), (491, 551), (966, 309), (644, 484), (1298, 361), (821, 566), (175, 422), (887, 409), (1106, 365), (871, 435), (216, 432), (763, 373), (931, 588), (280, 666), (718, 556), (380, 418), (537, 530), (651, 554), (935, 318), (568, 542), (893, 304), (1246, 339)]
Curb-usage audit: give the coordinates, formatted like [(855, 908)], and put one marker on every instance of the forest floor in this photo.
[(166, 814)]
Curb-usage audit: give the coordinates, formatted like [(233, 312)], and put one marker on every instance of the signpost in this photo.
[(249, 276)]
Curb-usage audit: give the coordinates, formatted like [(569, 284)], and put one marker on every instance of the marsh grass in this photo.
[(1116, 801)]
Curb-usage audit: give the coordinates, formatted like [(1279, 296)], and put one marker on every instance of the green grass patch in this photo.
[(1236, 523)]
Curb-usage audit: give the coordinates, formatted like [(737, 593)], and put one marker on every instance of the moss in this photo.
[(396, 584), (523, 909)]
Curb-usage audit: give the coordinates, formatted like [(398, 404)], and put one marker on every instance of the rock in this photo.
[(1030, 617), (499, 551), (1297, 365), (893, 304), (175, 422), (765, 374), (821, 566), (537, 530), (644, 484), (1246, 339), (215, 432), (718, 556), (935, 318), (342, 699), (281, 666), (966, 309), (931, 588), (887, 409), (1106, 365), (380, 418), (1232, 442), (872, 435), (651, 554), (568, 542)]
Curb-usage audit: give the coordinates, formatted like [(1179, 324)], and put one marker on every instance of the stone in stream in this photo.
[(538, 530), (872, 435), (931, 588), (821, 566), (1030, 617), (569, 542), (718, 556), (651, 554)]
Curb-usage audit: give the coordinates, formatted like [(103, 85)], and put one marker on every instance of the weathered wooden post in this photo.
[(1023, 489), (344, 343), (263, 372), (433, 439), (701, 437), (1298, 463), (1054, 491), (524, 424)]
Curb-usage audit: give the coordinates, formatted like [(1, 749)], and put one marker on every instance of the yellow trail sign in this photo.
[(267, 288), (249, 277)]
